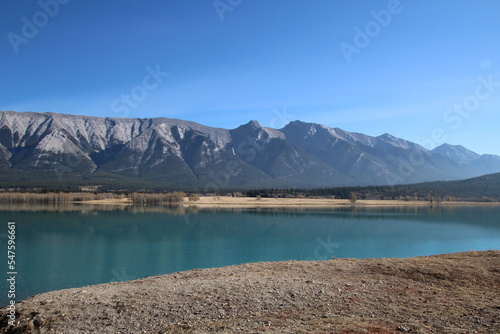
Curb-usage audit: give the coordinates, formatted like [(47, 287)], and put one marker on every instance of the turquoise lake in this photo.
[(84, 246)]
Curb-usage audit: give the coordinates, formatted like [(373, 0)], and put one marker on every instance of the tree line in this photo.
[(484, 188)]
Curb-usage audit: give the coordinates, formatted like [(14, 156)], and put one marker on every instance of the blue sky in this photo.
[(424, 71)]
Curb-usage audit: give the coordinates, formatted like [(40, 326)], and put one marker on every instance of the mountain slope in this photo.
[(457, 153), (477, 164), (372, 160), (68, 150)]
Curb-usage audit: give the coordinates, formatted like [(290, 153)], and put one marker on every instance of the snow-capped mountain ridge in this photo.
[(180, 153)]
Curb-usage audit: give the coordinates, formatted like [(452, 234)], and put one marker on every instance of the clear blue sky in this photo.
[(322, 61)]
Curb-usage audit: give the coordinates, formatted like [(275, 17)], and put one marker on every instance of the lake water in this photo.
[(57, 250)]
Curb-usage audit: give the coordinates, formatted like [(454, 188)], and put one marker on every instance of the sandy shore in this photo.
[(453, 293), (117, 201), (252, 202)]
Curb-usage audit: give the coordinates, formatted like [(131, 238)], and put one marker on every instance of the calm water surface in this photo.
[(57, 250)]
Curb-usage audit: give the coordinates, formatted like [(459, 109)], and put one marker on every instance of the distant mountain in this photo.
[(59, 150), (457, 153), (477, 164), (370, 160)]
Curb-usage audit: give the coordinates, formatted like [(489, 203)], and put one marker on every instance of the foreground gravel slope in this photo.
[(455, 293)]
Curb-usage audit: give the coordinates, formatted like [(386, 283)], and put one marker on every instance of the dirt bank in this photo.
[(455, 293)]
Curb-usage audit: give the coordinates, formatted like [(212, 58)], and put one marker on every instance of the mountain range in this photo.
[(37, 149)]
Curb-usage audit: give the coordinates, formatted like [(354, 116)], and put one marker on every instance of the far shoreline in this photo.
[(252, 202)]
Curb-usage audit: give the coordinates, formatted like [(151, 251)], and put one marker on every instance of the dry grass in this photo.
[(91, 198), (55, 197)]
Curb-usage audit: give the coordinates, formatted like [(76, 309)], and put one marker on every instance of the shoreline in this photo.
[(234, 203), (252, 202)]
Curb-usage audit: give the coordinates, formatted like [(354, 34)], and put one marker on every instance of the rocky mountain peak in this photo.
[(183, 154), (457, 153)]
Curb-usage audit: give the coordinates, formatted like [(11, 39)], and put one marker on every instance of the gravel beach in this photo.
[(451, 293)]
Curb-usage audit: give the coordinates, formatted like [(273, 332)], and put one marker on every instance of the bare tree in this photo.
[(352, 197)]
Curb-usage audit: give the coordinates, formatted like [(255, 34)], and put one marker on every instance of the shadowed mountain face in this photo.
[(170, 153)]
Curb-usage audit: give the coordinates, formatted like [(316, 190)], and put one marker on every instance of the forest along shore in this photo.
[(450, 293)]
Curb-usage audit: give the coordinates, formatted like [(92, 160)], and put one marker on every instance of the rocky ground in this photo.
[(455, 293)]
